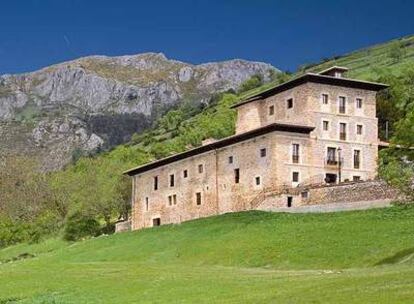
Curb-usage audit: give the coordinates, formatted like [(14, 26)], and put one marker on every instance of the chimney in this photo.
[(335, 71)]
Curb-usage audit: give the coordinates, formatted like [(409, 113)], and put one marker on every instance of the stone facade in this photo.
[(311, 130)]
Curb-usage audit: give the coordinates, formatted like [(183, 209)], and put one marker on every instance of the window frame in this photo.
[(295, 156), (340, 98), (357, 100), (297, 174), (198, 198), (323, 95)]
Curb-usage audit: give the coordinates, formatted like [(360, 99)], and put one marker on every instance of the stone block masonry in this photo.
[(317, 128)]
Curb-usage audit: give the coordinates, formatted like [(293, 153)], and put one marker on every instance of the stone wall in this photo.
[(123, 226), (327, 194)]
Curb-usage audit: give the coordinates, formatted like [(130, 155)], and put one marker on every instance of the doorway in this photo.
[(330, 178), (289, 201), (156, 222)]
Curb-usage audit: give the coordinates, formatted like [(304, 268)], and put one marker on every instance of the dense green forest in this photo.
[(88, 196)]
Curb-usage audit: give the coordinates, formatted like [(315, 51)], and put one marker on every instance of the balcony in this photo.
[(331, 162), (295, 159)]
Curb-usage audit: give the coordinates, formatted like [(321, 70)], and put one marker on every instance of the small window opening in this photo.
[(200, 168), (257, 180), (198, 198), (155, 182), (237, 175), (185, 173), (289, 103), (263, 152), (230, 159), (146, 204), (326, 125), (271, 110), (172, 181)]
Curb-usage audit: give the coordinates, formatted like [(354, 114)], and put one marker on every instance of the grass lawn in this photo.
[(248, 257)]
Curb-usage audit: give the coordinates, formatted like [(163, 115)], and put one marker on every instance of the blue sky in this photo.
[(37, 33)]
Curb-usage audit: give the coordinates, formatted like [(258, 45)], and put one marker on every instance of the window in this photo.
[(155, 182), (257, 179), (175, 199), (237, 175), (271, 110), (295, 177), (304, 194), (357, 159), (359, 103), (289, 103), (295, 153), (356, 178), (230, 159), (200, 168), (359, 129), (172, 180), (325, 126), (146, 204), (342, 131), (342, 104), (185, 173), (169, 200), (263, 152), (325, 99), (331, 157), (198, 198)]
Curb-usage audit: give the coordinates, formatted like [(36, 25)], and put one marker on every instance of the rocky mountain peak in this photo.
[(97, 102)]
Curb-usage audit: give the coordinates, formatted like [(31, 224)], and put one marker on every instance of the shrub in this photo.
[(251, 83), (79, 226)]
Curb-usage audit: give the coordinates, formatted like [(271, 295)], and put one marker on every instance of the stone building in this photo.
[(315, 129)]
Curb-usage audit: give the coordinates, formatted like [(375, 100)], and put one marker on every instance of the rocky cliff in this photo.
[(97, 102)]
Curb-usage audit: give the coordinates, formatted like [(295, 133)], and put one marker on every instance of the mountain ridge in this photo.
[(97, 102)]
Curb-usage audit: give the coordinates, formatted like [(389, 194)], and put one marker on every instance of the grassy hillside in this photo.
[(365, 64), (250, 257)]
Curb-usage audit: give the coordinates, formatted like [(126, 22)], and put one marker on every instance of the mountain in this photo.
[(98, 102)]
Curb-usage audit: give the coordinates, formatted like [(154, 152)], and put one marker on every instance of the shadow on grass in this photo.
[(398, 257)]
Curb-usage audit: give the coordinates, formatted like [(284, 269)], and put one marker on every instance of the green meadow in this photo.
[(249, 257)]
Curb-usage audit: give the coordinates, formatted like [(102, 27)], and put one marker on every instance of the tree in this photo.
[(396, 51), (251, 83)]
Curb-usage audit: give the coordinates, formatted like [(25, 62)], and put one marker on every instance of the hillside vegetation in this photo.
[(249, 257)]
